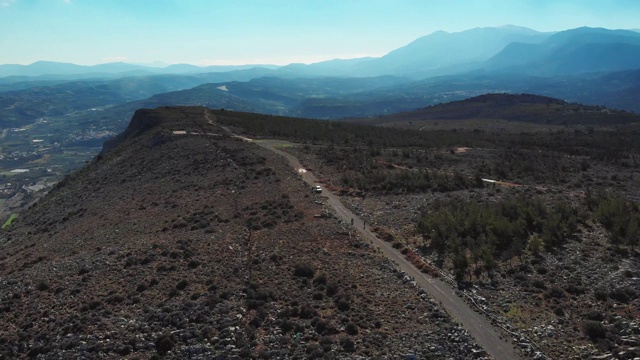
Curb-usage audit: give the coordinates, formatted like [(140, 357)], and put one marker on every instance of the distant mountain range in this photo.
[(338, 98), (507, 48), (25, 101), (54, 70), (64, 112), (577, 51), (443, 53), (593, 66), (323, 98)]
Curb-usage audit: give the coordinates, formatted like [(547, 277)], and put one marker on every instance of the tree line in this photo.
[(620, 216)]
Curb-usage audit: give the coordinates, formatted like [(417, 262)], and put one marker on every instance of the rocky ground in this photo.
[(181, 242), (548, 300)]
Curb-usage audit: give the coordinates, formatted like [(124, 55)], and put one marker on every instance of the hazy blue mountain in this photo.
[(616, 90), (276, 96), (22, 107), (508, 48), (580, 65), (435, 54), (441, 50), (58, 68), (329, 68), (118, 67), (335, 98), (53, 70), (192, 69), (13, 83), (619, 90), (338, 98), (270, 95), (39, 68), (220, 90), (575, 51), (24, 102)]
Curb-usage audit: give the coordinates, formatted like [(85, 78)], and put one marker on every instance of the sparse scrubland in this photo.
[(197, 244), (539, 227)]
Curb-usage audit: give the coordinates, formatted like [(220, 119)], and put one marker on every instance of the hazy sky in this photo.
[(206, 32)]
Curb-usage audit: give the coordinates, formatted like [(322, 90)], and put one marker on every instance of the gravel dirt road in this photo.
[(477, 325)]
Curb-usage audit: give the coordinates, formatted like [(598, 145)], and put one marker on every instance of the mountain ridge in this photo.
[(575, 51), (429, 55), (525, 108), (182, 241)]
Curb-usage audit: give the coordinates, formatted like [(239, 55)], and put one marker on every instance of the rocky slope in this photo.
[(577, 301), (180, 241)]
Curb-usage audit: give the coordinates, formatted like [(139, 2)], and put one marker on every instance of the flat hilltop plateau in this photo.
[(181, 241)]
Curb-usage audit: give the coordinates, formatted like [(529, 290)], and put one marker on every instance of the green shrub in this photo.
[(618, 215), (600, 294), (574, 289), (304, 270), (320, 279), (343, 302), (182, 284), (352, 329), (620, 295), (593, 329), (42, 285), (347, 344), (539, 284), (164, 343), (332, 288), (554, 292)]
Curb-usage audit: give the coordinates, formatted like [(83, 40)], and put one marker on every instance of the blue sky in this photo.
[(207, 32)]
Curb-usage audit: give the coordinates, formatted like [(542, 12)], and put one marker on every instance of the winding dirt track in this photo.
[(477, 325)]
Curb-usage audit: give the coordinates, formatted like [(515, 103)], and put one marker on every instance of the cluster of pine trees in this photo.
[(618, 215), (472, 233), (408, 181), (614, 146), (475, 235)]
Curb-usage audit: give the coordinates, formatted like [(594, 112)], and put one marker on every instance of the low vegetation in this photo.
[(201, 246), (544, 219), (10, 221), (198, 238), (475, 234), (618, 215)]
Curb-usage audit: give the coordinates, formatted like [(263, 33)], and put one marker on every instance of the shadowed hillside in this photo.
[(510, 107)]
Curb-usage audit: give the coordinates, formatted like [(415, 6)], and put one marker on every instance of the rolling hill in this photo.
[(22, 103), (524, 108)]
